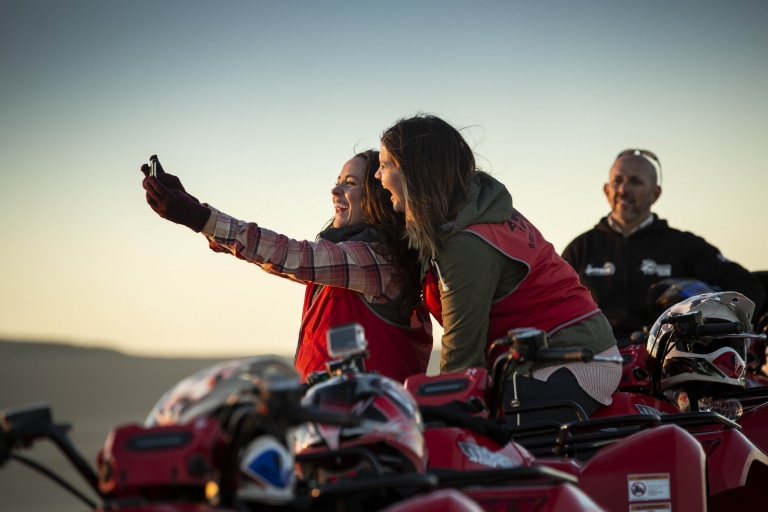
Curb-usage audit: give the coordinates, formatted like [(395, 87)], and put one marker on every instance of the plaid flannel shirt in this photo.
[(353, 265)]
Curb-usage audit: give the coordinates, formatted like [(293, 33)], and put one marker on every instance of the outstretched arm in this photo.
[(353, 265)]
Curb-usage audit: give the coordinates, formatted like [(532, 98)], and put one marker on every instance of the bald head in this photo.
[(637, 165), (631, 190)]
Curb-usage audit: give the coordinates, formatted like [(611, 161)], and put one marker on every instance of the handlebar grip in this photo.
[(719, 329), (565, 355)]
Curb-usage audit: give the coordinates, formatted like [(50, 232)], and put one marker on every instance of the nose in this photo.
[(336, 190), (378, 174)]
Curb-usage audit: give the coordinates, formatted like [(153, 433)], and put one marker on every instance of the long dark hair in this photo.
[(436, 166), (377, 208)]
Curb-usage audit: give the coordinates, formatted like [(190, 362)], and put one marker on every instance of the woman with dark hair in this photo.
[(358, 270), (487, 269)]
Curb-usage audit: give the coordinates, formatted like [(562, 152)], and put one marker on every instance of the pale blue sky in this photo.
[(257, 105)]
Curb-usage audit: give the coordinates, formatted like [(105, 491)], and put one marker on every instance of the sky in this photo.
[(257, 105)]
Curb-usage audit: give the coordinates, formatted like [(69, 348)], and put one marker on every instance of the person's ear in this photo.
[(656, 193), (606, 191)]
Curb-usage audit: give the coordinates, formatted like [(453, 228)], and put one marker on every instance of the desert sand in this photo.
[(92, 389)]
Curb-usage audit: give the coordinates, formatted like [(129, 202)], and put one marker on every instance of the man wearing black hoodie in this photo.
[(631, 249)]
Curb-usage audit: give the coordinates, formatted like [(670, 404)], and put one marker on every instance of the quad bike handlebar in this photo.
[(573, 355)]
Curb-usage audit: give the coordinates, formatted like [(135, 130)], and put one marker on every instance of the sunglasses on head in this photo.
[(644, 153)]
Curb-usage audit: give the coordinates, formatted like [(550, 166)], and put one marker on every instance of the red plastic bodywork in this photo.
[(443, 500), (478, 452), (541, 498), (754, 426), (635, 356), (476, 380), (663, 450), (127, 471), (730, 458)]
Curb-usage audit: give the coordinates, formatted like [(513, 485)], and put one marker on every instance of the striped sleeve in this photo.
[(353, 265)]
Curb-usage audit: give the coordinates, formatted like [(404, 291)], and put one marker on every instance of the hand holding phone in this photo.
[(155, 168)]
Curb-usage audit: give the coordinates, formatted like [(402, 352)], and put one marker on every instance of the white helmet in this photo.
[(705, 358)]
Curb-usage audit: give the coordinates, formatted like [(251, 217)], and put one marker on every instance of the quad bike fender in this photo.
[(731, 457), (135, 458), (443, 500), (754, 426), (546, 498), (663, 465), (462, 450)]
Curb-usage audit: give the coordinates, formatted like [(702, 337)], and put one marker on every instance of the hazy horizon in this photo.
[(257, 105)]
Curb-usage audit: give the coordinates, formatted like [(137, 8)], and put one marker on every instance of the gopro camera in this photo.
[(153, 167), (346, 340)]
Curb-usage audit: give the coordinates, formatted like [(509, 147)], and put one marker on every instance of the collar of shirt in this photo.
[(615, 225)]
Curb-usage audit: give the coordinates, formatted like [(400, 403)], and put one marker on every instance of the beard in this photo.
[(632, 209)]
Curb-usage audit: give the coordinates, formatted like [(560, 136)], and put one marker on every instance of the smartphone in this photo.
[(153, 167)]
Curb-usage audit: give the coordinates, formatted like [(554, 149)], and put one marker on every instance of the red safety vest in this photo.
[(550, 296), (396, 351)]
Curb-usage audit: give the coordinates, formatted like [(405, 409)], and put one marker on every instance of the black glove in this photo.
[(175, 205), (169, 180)]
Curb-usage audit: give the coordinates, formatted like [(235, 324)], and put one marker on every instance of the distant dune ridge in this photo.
[(93, 389)]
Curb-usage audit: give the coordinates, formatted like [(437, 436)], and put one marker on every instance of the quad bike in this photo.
[(466, 443), (691, 374), (220, 440)]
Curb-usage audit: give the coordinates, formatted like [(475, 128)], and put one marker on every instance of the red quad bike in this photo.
[(220, 440), (621, 463), (694, 366), (458, 448)]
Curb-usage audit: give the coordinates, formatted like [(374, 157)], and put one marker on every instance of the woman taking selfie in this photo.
[(487, 269), (358, 270)]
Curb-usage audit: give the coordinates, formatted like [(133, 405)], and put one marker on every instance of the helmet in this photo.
[(202, 394), (664, 294), (264, 471), (704, 359), (389, 436)]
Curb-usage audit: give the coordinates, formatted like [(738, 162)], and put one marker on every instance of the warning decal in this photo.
[(648, 487), (651, 507)]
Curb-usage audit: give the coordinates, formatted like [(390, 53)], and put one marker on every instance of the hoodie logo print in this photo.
[(650, 267), (608, 269)]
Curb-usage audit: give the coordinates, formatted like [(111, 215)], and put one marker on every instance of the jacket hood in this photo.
[(488, 201), (657, 225)]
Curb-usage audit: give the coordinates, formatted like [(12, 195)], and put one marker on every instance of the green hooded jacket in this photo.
[(476, 274)]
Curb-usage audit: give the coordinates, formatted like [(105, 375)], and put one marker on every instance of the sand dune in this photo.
[(94, 390)]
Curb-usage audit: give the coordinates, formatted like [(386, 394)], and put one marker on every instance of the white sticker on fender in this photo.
[(484, 456), (651, 507), (652, 487)]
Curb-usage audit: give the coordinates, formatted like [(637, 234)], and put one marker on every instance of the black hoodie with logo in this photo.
[(618, 270)]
